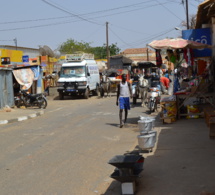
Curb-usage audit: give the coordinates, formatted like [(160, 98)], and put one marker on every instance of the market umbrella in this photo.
[(177, 43)]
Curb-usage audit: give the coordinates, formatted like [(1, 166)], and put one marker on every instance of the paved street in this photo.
[(66, 150)]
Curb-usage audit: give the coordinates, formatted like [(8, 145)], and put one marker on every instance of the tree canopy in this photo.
[(72, 46)]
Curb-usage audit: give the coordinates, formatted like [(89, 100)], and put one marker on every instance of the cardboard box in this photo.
[(167, 120)]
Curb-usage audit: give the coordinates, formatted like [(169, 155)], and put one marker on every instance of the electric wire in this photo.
[(119, 37), (168, 10), (150, 38), (81, 17), (59, 23), (87, 14), (68, 12)]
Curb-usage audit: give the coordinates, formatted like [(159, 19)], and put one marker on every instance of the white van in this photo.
[(79, 75)]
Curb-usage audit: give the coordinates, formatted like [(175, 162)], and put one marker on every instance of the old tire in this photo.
[(43, 103)]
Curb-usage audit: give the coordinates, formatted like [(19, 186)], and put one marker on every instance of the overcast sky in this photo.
[(132, 23)]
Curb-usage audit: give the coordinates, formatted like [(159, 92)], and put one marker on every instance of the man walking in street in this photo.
[(123, 100)]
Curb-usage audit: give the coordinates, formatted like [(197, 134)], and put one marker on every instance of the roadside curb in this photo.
[(22, 118)]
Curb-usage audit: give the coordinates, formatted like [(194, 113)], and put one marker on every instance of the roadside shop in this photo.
[(27, 78), (6, 87), (192, 79)]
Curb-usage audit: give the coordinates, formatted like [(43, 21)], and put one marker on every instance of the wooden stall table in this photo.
[(182, 97)]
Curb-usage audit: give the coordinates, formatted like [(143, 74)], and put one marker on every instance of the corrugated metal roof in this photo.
[(137, 51), (17, 47), (205, 11)]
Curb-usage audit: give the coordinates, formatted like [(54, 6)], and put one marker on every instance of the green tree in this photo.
[(100, 52), (72, 46), (114, 49)]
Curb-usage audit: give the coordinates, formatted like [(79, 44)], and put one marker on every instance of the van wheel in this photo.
[(61, 96), (86, 94)]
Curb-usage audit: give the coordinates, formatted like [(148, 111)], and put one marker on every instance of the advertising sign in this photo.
[(5, 60), (25, 58), (202, 35)]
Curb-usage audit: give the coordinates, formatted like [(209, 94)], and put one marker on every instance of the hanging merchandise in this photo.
[(24, 77), (176, 85), (36, 71), (158, 58), (188, 56)]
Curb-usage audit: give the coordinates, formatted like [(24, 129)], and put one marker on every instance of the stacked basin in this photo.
[(147, 137)]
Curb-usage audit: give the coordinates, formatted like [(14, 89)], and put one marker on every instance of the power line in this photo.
[(70, 13), (58, 23), (152, 37), (169, 10), (119, 38), (91, 13), (5, 40)]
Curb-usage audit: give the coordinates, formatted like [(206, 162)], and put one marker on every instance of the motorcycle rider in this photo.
[(155, 80)]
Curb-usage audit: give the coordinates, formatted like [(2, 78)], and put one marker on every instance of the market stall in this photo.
[(191, 76)]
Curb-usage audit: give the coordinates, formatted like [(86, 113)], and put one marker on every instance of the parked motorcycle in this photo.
[(153, 99), (30, 100), (135, 91)]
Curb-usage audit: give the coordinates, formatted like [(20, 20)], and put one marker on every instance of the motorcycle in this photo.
[(30, 100), (153, 99)]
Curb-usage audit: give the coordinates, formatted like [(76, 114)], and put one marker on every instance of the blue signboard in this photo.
[(202, 35), (25, 58)]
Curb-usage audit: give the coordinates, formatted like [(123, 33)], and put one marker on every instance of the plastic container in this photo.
[(153, 122), (146, 141), (142, 118), (145, 125), (155, 135)]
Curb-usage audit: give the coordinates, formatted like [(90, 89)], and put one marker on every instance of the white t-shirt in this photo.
[(124, 90)]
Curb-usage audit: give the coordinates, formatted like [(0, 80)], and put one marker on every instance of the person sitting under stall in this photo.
[(164, 81)]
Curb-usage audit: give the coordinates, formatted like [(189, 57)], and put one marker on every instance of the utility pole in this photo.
[(107, 47), (187, 14), (15, 41), (147, 52)]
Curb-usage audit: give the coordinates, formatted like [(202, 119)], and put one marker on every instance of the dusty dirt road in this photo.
[(66, 151)]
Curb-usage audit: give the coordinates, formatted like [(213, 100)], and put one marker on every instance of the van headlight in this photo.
[(82, 83), (60, 84)]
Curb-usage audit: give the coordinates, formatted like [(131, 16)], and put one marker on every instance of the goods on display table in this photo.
[(191, 75), (168, 109)]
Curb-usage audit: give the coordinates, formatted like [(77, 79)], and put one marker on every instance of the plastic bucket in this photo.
[(145, 125), (146, 141)]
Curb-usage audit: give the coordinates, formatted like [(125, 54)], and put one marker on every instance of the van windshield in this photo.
[(74, 71)]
